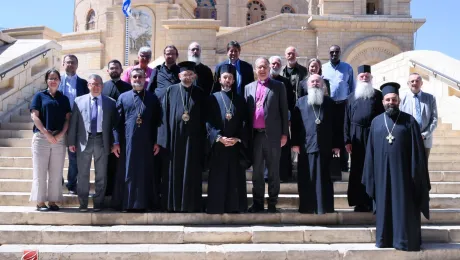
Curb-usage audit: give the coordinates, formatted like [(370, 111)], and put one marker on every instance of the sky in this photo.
[(439, 33)]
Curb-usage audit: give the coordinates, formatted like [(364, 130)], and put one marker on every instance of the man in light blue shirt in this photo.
[(340, 76)]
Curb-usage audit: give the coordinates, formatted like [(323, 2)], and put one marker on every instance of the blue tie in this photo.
[(94, 117), (418, 111)]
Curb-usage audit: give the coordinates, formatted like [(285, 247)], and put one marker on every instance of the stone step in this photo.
[(27, 173), (436, 157), (443, 166), (21, 119), (148, 234), (16, 134), (340, 187), (446, 141), (16, 142), (289, 201), (446, 133), (435, 176), (25, 162), (28, 215), (444, 127), (26, 112), (362, 251), (17, 126)]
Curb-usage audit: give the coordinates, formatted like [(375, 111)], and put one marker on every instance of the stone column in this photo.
[(181, 32)]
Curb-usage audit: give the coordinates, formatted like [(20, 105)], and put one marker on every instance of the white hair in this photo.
[(315, 96), (145, 49), (259, 59), (274, 58), (196, 43)]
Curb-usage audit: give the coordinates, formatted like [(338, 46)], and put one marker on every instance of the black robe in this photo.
[(113, 90), (162, 77), (316, 192), (134, 185), (396, 178), (227, 177), (358, 117), (204, 79), (183, 144)]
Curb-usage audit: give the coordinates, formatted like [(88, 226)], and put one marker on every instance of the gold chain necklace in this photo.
[(228, 114), (139, 110), (185, 115)]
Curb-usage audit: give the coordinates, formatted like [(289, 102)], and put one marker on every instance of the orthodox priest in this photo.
[(227, 133), (182, 135), (315, 138), (362, 105), (140, 114), (396, 175)]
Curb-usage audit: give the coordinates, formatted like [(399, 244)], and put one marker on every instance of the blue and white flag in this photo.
[(126, 7)]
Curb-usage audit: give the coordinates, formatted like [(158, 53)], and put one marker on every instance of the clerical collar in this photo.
[(263, 82), (116, 80)]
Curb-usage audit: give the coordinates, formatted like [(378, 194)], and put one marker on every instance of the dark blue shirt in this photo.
[(52, 110)]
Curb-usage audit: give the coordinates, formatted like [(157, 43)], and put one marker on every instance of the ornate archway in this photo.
[(371, 50), (256, 12)]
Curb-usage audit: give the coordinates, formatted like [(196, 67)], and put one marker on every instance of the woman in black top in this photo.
[(50, 111)]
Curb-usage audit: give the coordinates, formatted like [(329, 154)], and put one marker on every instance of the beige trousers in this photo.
[(48, 164)]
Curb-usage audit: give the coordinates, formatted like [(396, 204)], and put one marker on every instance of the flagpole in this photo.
[(126, 41)]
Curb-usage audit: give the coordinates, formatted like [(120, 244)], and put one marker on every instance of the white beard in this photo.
[(226, 89), (275, 73), (364, 90), (197, 60), (315, 96), (137, 86)]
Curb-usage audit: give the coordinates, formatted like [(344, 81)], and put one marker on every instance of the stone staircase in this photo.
[(69, 234)]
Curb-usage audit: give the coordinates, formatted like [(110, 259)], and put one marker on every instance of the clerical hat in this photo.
[(186, 65), (364, 69), (390, 87), (227, 68)]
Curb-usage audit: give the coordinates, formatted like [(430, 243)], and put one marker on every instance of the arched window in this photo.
[(374, 7), (287, 9), (256, 12), (206, 9), (91, 20)]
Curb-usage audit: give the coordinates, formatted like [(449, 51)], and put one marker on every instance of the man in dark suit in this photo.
[(72, 86), (244, 70), (268, 117), (113, 88), (90, 134)]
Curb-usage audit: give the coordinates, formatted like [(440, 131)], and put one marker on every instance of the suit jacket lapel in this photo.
[(423, 102)]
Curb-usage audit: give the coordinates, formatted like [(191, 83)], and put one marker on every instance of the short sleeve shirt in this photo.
[(52, 110)]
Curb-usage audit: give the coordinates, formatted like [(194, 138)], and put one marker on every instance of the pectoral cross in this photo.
[(390, 138)]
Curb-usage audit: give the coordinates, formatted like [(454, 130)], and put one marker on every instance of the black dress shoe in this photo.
[(255, 209), (272, 209), (54, 207), (362, 208), (42, 208)]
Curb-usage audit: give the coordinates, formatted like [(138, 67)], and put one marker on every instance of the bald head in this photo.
[(291, 56), (315, 81)]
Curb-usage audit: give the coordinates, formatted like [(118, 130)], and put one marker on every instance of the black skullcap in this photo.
[(186, 65), (227, 68), (390, 87), (364, 69)]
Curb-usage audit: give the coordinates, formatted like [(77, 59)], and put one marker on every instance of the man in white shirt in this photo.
[(72, 86), (422, 106)]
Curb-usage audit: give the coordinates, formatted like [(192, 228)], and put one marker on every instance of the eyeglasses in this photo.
[(95, 84), (145, 56)]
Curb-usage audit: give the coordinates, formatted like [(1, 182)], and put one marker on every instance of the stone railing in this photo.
[(23, 72)]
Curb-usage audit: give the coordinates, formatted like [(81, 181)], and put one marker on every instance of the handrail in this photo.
[(435, 72), (24, 63)]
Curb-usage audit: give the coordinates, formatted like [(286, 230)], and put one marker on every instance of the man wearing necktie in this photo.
[(90, 134), (244, 70), (422, 106)]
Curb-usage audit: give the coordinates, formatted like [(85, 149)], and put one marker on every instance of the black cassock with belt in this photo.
[(359, 114), (227, 176), (396, 177), (183, 143), (316, 141)]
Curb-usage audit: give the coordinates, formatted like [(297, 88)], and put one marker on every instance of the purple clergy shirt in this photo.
[(259, 120)]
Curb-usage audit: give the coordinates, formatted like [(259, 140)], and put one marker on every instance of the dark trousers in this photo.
[(265, 153), (73, 171)]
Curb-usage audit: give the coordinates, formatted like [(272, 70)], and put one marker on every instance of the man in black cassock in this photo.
[(285, 159), (396, 175), (315, 138), (135, 145), (227, 133), (113, 88), (363, 105), (204, 77), (181, 135)]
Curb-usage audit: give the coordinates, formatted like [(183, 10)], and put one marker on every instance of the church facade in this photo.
[(368, 31)]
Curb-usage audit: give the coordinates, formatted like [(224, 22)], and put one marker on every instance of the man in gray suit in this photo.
[(422, 106), (93, 118), (268, 118)]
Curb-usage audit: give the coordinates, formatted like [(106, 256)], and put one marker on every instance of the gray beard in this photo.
[(315, 96), (364, 90), (197, 60), (137, 86), (275, 73)]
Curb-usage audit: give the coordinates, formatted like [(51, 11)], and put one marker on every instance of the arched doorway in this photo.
[(256, 12)]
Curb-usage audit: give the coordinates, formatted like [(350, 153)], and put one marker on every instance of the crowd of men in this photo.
[(161, 128)]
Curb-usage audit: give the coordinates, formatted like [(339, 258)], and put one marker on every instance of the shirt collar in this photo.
[(236, 62), (98, 97), (419, 94), (263, 82), (74, 77)]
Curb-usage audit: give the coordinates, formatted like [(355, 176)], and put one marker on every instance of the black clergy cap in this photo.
[(186, 65), (227, 68), (364, 69), (390, 87)]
